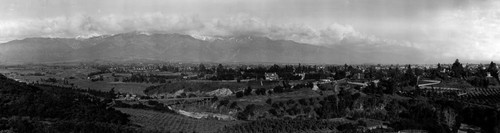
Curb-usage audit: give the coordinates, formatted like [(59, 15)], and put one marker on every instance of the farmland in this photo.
[(74, 77), (482, 96), (203, 85), (132, 88), (166, 122)]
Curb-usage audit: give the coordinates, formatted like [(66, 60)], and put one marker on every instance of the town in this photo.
[(351, 98)]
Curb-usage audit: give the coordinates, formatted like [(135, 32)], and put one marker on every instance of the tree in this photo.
[(303, 102), (410, 76), (307, 110), (457, 69), (224, 102), (220, 68), (239, 94), (260, 91), (202, 68), (274, 68), (111, 93), (273, 111), (151, 102), (183, 95), (419, 72), (234, 105), (480, 72), (278, 89), (269, 101), (389, 84), (493, 70), (248, 112), (248, 91), (215, 98)]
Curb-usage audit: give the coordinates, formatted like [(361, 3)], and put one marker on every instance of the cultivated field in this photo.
[(77, 77), (133, 88), (208, 85), (166, 122), (482, 96)]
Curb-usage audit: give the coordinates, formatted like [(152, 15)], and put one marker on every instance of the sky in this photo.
[(441, 29)]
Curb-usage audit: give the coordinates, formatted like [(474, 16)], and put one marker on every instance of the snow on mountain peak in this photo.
[(206, 38), (87, 36)]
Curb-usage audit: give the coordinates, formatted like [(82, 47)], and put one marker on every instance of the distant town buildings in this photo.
[(271, 76)]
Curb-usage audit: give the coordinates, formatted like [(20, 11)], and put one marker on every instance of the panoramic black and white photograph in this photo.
[(249, 66)]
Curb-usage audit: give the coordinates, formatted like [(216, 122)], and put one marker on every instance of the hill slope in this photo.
[(27, 108)]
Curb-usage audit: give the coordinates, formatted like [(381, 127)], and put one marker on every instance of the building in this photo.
[(488, 74), (302, 75), (359, 76), (271, 76)]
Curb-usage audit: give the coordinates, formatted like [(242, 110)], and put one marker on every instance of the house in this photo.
[(464, 128), (375, 125), (302, 75), (324, 81), (315, 86), (492, 81), (271, 76), (359, 76)]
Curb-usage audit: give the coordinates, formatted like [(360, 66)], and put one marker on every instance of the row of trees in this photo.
[(285, 87), (458, 71), (402, 113), (143, 78)]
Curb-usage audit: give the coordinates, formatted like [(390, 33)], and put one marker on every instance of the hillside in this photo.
[(27, 108), (185, 48)]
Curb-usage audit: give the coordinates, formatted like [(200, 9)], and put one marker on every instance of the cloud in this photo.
[(241, 24), (470, 33), (444, 29), (84, 25)]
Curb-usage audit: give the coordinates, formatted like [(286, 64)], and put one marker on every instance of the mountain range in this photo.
[(137, 46)]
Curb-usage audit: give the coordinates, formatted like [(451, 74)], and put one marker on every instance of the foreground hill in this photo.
[(185, 48), (27, 108)]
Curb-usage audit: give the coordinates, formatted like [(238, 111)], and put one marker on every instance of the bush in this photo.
[(234, 105), (248, 91), (151, 102), (224, 102), (269, 101), (239, 94)]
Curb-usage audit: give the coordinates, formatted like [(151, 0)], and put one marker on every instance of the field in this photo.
[(454, 83), (165, 122), (133, 88), (208, 85), (482, 96), (261, 99), (78, 79)]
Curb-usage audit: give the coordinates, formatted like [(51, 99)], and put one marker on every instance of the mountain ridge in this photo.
[(185, 48)]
